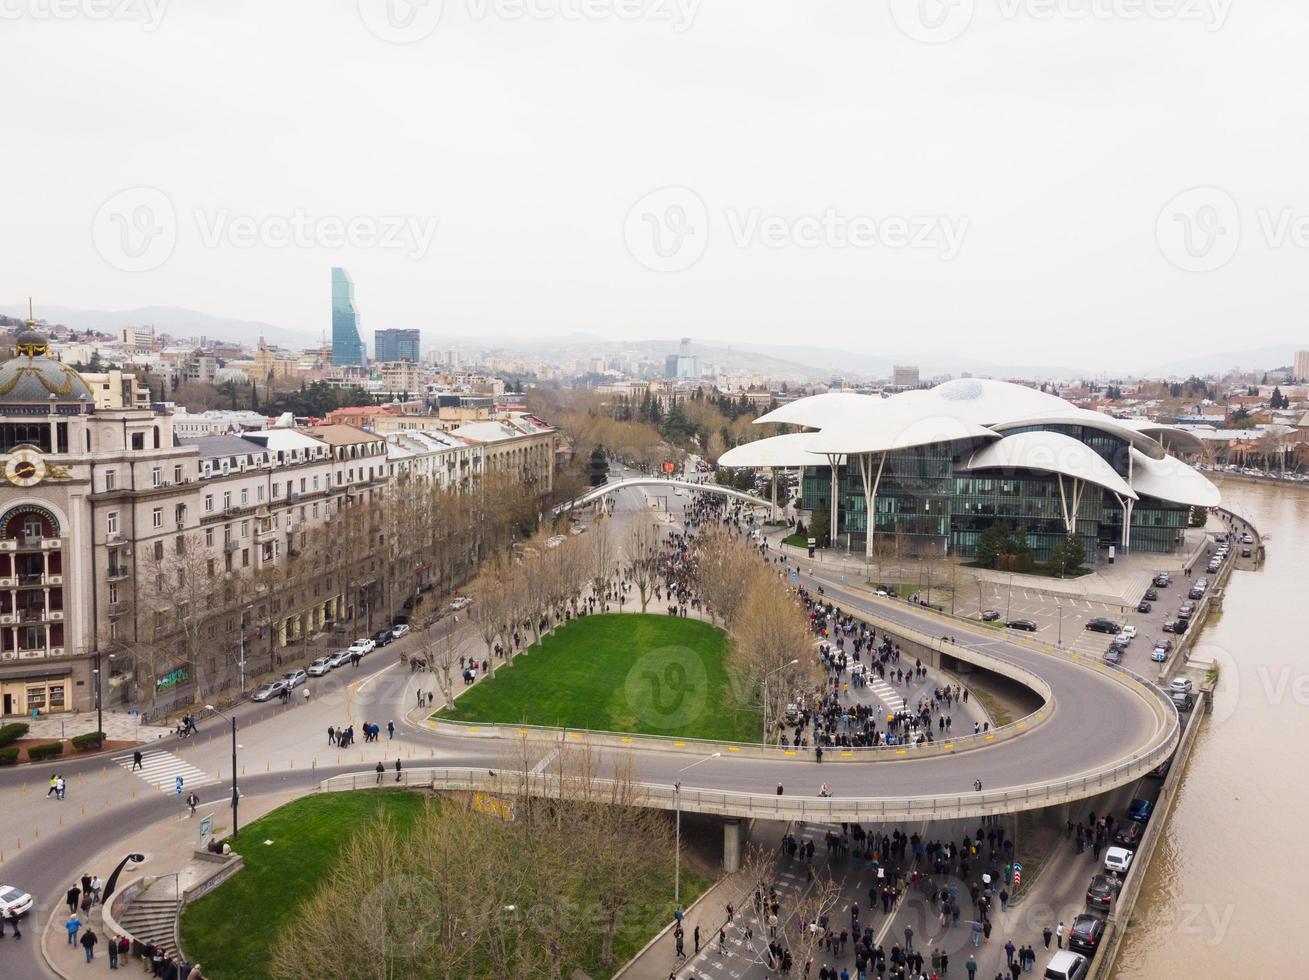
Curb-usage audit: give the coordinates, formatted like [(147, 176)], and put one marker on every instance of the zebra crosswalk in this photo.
[(886, 693), (160, 769)]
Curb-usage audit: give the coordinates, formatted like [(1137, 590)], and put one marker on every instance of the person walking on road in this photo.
[(54, 779), (1046, 934), (971, 966), (1059, 935), (12, 919), (192, 801), (390, 730)]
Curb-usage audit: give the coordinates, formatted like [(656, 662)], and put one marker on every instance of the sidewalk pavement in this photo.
[(120, 726), (168, 846)]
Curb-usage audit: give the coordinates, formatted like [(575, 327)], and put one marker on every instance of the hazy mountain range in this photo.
[(796, 362)]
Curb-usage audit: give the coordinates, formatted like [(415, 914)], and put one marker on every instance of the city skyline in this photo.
[(1043, 222)]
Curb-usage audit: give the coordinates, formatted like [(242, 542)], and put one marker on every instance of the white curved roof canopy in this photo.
[(1095, 420), (1172, 437), (895, 426), (1172, 480), (1050, 452), (791, 449), (816, 411)]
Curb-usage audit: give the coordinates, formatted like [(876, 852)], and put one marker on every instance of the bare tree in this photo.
[(642, 553)]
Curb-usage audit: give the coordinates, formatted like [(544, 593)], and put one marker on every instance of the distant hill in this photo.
[(175, 320)]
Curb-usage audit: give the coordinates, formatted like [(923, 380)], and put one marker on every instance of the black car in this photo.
[(382, 637), (1143, 606), (1161, 770), (1086, 933), (1114, 655), (1170, 626), (1163, 580), (1103, 891), (1150, 595), (1022, 624), (1102, 625), (1182, 701), (990, 615), (1128, 834)]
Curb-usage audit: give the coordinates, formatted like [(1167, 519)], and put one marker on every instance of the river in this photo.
[(1221, 898)]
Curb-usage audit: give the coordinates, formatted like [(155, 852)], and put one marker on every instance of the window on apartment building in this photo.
[(179, 513), (179, 544), (177, 473), (227, 500), (245, 529), (181, 584), (113, 629), (315, 511), (209, 537), (227, 561), (259, 493), (138, 440), (157, 517), (245, 557), (111, 479), (113, 591), (159, 551), (156, 476), (209, 503), (111, 522), (227, 534), (315, 483), (245, 496), (209, 567), (302, 512)]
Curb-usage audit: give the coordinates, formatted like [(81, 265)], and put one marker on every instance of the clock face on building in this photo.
[(25, 468)]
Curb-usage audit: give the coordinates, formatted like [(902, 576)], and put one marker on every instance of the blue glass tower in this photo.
[(347, 346)]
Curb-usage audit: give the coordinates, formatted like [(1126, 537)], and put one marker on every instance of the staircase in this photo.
[(152, 916)]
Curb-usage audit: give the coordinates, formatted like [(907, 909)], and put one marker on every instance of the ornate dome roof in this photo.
[(32, 377)]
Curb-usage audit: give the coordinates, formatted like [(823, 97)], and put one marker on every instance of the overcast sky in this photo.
[(1073, 179)]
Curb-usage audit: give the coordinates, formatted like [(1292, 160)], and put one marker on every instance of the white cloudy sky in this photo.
[(838, 180)]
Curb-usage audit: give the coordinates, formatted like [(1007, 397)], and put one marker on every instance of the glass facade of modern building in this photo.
[(347, 346), (928, 505), (396, 345)]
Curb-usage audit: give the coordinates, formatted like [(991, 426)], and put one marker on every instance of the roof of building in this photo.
[(1050, 452), (791, 449), (214, 447), (32, 377), (340, 435), (1171, 479)]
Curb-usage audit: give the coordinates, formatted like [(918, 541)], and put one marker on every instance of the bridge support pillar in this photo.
[(732, 846)]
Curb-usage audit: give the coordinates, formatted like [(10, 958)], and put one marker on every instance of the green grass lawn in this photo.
[(231, 929), (644, 674)]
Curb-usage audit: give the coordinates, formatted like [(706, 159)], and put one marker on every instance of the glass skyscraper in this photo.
[(396, 345), (347, 346)]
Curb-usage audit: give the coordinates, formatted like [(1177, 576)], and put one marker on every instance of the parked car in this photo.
[(1161, 770), (1128, 834), (1102, 891), (341, 658), (320, 666), (1182, 684), (381, 638), (1186, 610), (294, 678), (1140, 810), (1128, 631), (1150, 595), (399, 630), (1022, 624), (268, 690), (1086, 933), (1067, 965), (14, 900), (1159, 655), (1114, 655), (990, 615), (460, 602), (363, 646), (1183, 701), (1247, 539), (1170, 626), (1117, 860), (1245, 552), (1212, 567), (1180, 625), (1163, 580), (1196, 593), (1143, 606), (1102, 625)]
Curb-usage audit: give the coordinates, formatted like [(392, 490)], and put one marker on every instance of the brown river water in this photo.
[(1223, 895)]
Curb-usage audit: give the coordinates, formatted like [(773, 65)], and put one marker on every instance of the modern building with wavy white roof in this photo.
[(939, 466)]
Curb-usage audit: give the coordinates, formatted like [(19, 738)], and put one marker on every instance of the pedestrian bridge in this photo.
[(658, 483)]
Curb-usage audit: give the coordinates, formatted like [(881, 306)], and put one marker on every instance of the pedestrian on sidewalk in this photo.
[(1059, 935), (111, 948), (89, 939), (54, 779), (95, 889), (74, 894), (1046, 934), (380, 769), (390, 730), (397, 770), (722, 942), (71, 926), (331, 735)]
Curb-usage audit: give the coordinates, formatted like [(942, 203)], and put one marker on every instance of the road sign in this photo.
[(177, 788), (206, 829), (1018, 874)]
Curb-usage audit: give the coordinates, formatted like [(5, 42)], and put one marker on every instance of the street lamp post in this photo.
[(677, 798), (236, 796), (766, 676), (1060, 607), (99, 701), (1009, 600)]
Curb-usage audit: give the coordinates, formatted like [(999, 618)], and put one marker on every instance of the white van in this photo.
[(1067, 965)]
